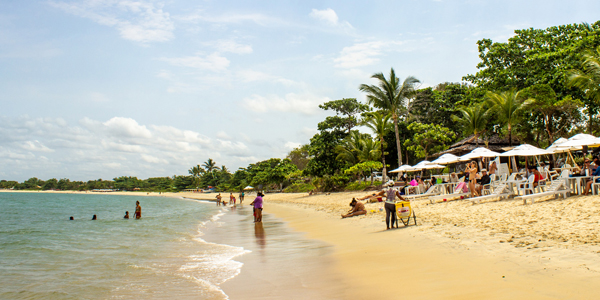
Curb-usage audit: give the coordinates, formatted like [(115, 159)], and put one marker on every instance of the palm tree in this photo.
[(506, 104), (391, 96), (588, 78), (379, 124), (348, 150), (473, 119), (210, 166)]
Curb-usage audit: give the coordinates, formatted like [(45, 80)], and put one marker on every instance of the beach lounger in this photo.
[(432, 191), (558, 187), (458, 194), (499, 192)]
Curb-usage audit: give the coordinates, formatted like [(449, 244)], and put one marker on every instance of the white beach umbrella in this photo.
[(248, 188), (446, 159), (555, 146), (420, 166), (577, 141), (479, 152), (433, 166), (402, 168), (526, 150)]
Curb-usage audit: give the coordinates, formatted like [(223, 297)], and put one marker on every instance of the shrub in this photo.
[(299, 187)]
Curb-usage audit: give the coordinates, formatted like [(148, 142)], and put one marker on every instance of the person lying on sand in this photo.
[(357, 209), (373, 197)]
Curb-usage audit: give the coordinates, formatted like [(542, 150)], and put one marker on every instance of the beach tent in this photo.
[(477, 153), (402, 168), (248, 188), (447, 158)]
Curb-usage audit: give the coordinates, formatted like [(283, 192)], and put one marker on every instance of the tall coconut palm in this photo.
[(379, 124), (473, 119), (588, 77), (392, 97), (210, 166), (348, 150), (506, 104)]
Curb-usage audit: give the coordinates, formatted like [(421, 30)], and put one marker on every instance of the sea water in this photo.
[(44, 255)]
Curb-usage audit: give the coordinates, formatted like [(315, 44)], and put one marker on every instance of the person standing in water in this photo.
[(138, 210), (231, 199), (94, 217), (258, 206), (241, 197), (219, 199), (126, 215)]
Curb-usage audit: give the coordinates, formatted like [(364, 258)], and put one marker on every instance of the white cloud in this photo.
[(231, 46), (222, 135), (127, 127), (36, 146), (154, 160), (364, 54), (213, 62), (255, 76), (139, 21), (228, 18), (329, 16), (292, 145), (305, 104)]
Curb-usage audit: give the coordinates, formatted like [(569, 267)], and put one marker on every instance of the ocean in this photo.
[(179, 249)]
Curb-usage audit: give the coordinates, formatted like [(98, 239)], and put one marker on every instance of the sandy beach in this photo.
[(495, 250)]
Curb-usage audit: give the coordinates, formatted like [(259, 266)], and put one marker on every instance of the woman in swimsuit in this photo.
[(472, 170)]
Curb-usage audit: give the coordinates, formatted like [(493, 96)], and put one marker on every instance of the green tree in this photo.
[(360, 168), (346, 111), (587, 78), (473, 119), (506, 104), (50, 184), (428, 139), (300, 156), (379, 124), (556, 114), (392, 97)]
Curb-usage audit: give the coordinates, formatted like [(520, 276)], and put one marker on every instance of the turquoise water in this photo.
[(43, 255)]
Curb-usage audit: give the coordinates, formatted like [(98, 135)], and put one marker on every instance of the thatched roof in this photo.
[(466, 145)]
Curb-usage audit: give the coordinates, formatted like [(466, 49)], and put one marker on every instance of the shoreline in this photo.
[(495, 250)]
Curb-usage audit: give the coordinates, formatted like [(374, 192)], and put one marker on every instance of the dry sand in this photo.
[(494, 250)]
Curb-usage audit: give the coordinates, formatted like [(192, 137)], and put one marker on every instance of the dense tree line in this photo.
[(540, 85)]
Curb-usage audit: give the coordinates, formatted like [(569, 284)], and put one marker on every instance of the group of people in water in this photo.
[(257, 204), (137, 215)]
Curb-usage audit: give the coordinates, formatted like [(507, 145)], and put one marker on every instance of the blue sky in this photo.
[(103, 88)]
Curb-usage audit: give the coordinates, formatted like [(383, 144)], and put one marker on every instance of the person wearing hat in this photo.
[(485, 179)]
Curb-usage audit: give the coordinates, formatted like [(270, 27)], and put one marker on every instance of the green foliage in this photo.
[(359, 186), (299, 187), (332, 183), (322, 152), (473, 118), (391, 97), (346, 110), (7, 184), (300, 156), (428, 139), (127, 183)]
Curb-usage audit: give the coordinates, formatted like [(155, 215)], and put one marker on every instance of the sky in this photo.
[(107, 88)]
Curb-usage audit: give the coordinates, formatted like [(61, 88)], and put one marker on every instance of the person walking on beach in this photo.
[(390, 206), (138, 210), (258, 206), (219, 199)]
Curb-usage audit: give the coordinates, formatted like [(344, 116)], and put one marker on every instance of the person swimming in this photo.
[(126, 215), (71, 218), (94, 217)]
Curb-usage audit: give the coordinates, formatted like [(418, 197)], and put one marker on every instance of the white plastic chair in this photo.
[(527, 185)]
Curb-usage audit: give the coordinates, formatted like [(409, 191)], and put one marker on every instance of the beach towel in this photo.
[(463, 186)]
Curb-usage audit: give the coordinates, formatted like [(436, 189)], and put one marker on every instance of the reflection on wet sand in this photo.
[(259, 233)]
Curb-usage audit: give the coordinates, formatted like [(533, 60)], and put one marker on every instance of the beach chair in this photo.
[(558, 187), (404, 213), (458, 193), (499, 192), (432, 191), (595, 185), (487, 188), (526, 186)]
